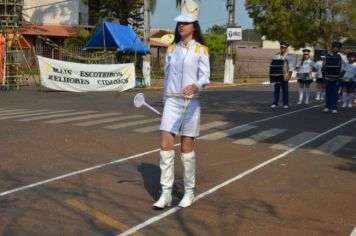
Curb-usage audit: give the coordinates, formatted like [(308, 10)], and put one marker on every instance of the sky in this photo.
[(212, 12)]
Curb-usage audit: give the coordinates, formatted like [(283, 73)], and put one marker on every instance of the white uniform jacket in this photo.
[(306, 66), (185, 65), (350, 72), (318, 67)]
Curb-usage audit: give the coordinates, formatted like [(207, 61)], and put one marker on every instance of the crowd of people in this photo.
[(334, 75)]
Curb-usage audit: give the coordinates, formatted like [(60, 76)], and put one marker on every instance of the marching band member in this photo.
[(334, 62), (281, 74), (348, 79), (320, 80), (305, 78), (187, 71)]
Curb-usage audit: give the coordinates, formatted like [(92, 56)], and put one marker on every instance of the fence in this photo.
[(247, 67)]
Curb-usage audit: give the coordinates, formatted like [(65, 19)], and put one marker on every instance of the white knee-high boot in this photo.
[(301, 91), (307, 95), (188, 160), (167, 178), (344, 100)]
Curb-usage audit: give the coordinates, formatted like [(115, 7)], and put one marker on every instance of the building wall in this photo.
[(73, 12)]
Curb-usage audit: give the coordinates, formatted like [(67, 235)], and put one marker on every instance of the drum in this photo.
[(278, 71), (332, 67)]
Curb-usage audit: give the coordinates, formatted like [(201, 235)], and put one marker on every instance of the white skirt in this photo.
[(181, 115)]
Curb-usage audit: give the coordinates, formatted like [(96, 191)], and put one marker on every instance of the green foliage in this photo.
[(315, 22), (80, 41), (217, 29), (215, 39), (126, 12)]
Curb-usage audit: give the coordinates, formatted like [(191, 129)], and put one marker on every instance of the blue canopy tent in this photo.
[(116, 36)]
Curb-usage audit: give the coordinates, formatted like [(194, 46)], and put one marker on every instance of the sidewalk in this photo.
[(157, 84)]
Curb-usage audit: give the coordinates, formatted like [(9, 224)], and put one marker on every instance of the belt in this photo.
[(180, 95)]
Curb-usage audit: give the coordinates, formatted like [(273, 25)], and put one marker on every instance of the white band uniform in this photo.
[(185, 65)]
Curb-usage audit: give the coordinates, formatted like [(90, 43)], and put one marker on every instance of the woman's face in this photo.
[(185, 29), (351, 59)]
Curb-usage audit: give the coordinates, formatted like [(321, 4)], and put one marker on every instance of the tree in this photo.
[(80, 41), (126, 12), (315, 23), (215, 39)]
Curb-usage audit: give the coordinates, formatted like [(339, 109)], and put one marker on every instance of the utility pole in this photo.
[(146, 65), (229, 66)]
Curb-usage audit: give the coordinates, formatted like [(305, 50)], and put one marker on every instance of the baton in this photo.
[(139, 101)]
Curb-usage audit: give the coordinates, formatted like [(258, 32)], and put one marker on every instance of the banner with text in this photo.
[(77, 77)]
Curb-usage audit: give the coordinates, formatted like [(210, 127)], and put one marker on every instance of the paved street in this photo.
[(87, 164)]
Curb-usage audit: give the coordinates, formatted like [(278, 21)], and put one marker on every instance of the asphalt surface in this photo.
[(87, 164)]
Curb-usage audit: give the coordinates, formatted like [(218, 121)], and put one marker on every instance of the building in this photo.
[(54, 19)]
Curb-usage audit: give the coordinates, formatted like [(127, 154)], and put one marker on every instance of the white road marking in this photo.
[(293, 141), (353, 233), (237, 177), (131, 123), (85, 117), (260, 136), (107, 120), (57, 115), (222, 134), (12, 110), (332, 145), (15, 112), (113, 162), (32, 114), (202, 127), (219, 133), (78, 172), (23, 112)]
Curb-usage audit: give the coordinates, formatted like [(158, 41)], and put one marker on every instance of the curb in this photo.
[(209, 87)]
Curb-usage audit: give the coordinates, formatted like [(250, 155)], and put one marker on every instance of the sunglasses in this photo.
[(185, 23)]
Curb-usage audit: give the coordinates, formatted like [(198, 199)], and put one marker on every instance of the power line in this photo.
[(47, 4)]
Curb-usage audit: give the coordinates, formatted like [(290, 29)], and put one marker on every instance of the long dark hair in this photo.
[(197, 35)]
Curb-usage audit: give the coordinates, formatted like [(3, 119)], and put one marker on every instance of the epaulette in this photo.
[(198, 46), (171, 48)]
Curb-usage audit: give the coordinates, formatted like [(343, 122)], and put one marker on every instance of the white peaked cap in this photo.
[(189, 11)]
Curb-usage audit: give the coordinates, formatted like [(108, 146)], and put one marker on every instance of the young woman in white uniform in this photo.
[(347, 80), (305, 78), (187, 71)]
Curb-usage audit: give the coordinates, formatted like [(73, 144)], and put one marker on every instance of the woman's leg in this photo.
[(301, 90), (166, 165), (322, 91), (344, 97), (307, 93), (318, 91), (188, 161)]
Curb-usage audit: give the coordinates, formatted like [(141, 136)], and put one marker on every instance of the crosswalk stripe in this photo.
[(107, 120), (57, 115), (294, 141), (85, 117), (31, 114), (332, 145), (23, 112), (202, 127), (260, 136), (13, 111), (222, 134), (147, 129), (213, 124), (131, 123)]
